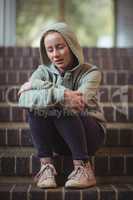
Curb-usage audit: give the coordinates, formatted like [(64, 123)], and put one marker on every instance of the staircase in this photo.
[(113, 162)]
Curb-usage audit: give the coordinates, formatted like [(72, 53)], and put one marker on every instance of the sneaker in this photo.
[(82, 176), (45, 178)]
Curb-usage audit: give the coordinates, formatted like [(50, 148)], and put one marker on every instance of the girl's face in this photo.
[(58, 50)]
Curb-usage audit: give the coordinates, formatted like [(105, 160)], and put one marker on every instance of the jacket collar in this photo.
[(52, 68)]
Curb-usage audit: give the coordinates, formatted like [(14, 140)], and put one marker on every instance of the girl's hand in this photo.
[(26, 86), (74, 100)]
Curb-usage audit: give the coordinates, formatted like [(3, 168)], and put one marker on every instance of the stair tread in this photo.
[(29, 151), (26, 191), (102, 186), (113, 125), (29, 179), (105, 104)]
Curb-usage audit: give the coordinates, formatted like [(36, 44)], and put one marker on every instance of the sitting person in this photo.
[(64, 115)]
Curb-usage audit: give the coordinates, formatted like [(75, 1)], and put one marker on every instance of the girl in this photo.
[(64, 115)]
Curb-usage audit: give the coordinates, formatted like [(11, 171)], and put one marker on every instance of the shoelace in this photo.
[(79, 171), (47, 171)]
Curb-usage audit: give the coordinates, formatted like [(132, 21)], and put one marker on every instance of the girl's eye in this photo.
[(61, 46), (49, 50)]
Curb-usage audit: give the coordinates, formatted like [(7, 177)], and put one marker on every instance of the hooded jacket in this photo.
[(48, 85)]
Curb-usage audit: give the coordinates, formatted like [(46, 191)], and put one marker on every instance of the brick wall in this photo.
[(113, 162)]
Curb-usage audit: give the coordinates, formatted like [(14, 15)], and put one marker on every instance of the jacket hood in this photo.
[(69, 37)]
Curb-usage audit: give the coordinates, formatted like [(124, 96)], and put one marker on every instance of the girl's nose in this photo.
[(56, 53)]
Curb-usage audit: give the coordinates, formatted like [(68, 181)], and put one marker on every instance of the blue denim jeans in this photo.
[(78, 136)]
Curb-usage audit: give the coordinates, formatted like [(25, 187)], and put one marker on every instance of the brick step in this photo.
[(104, 61), (107, 93), (30, 150), (116, 112), (100, 180), (24, 162), (21, 136), (110, 125), (102, 104), (100, 192), (34, 51), (25, 125), (111, 77)]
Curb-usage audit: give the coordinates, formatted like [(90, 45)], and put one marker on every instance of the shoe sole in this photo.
[(45, 186), (81, 186)]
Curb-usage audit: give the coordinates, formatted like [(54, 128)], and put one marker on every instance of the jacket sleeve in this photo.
[(43, 93), (89, 84), (40, 79)]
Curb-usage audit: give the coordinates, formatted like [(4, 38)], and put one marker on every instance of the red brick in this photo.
[(9, 63), (130, 111), (116, 62), (125, 62), (109, 113), (96, 60), (2, 137), (37, 193), (90, 52), (130, 78), (95, 51), (3, 78), (115, 94), (56, 195), (124, 52), (120, 94), (114, 51), (72, 194), (129, 165), (101, 165), (30, 72), (23, 51), (18, 63), (2, 51), (110, 78), (12, 77), (11, 95), (8, 166), (13, 137), (106, 62), (122, 78), (35, 52), (17, 114), (130, 94), (122, 114), (116, 165), (2, 94), (103, 78), (129, 51), (103, 52), (86, 54), (4, 114), (104, 94), (26, 139), (27, 51), (20, 192), (126, 137), (22, 166), (23, 77), (9, 51), (1, 63), (112, 137), (27, 63), (35, 63)]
